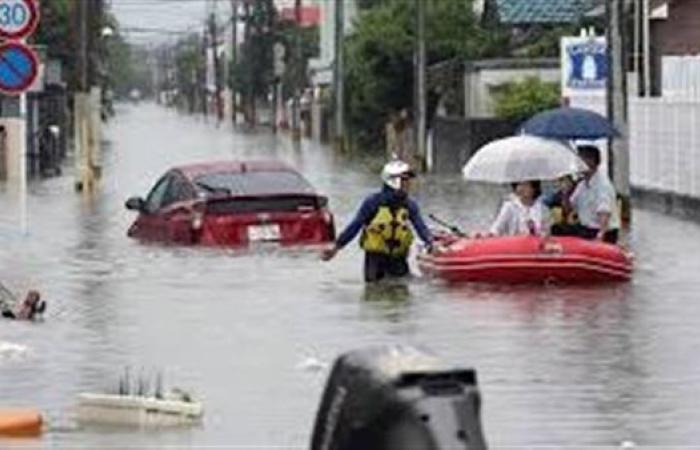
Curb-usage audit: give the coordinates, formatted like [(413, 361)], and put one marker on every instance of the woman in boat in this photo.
[(523, 213)]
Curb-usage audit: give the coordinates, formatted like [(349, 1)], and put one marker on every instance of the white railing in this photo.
[(681, 76), (664, 137), (665, 144)]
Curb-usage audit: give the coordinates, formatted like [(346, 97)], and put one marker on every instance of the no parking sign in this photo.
[(19, 65)]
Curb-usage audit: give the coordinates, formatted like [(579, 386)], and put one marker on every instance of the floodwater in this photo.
[(581, 367)]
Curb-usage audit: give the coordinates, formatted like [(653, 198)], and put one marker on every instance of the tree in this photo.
[(380, 57), (57, 33), (188, 63), (520, 100)]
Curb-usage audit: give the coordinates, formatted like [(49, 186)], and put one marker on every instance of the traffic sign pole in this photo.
[(18, 71), (23, 216)]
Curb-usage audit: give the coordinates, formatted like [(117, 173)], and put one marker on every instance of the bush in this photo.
[(521, 100)]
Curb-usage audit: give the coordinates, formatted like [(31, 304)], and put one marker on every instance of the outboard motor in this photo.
[(398, 398)]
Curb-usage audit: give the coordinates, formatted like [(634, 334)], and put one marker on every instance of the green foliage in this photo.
[(296, 70), (188, 63), (253, 71), (254, 67), (521, 100), (380, 53), (56, 32)]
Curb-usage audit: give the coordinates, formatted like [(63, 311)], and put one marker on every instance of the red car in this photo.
[(232, 204)]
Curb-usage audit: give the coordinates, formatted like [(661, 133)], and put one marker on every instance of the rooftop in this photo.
[(527, 12)]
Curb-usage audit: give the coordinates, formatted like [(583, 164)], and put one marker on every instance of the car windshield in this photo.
[(254, 183)]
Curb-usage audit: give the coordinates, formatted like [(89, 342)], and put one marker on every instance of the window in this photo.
[(155, 198), (254, 183), (179, 190)]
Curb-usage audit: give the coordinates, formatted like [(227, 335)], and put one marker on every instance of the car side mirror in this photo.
[(135, 204)]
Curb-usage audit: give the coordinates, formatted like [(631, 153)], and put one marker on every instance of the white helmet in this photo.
[(394, 171)]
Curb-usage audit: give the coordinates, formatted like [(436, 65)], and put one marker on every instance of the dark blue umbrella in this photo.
[(569, 123)]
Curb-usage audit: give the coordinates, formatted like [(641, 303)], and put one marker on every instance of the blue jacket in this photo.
[(369, 209)]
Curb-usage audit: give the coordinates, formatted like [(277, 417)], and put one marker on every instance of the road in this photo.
[(558, 366)]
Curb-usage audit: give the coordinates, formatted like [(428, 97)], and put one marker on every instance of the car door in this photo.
[(150, 223), (176, 210)]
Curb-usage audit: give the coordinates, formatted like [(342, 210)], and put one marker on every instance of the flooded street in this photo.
[(557, 366)]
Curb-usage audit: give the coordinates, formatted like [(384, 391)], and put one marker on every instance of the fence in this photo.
[(681, 76), (664, 139), (665, 145)]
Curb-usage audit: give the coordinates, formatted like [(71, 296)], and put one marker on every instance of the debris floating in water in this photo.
[(140, 401)]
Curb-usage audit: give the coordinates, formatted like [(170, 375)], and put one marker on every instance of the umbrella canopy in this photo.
[(522, 158), (569, 123)]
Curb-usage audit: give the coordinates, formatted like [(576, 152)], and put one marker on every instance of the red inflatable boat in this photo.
[(528, 259)]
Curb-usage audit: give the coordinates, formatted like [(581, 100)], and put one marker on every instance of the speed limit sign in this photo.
[(18, 18)]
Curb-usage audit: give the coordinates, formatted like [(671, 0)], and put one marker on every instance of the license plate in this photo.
[(264, 232)]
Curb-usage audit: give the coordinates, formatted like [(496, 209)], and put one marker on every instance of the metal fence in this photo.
[(664, 142), (681, 76), (665, 145)]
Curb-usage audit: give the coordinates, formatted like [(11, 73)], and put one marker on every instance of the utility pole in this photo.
[(647, 48), (234, 56), (298, 73), (203, 76), (82, 122), (249, 110), (338, 75), (216, 67), (420, 100), (617, 101)]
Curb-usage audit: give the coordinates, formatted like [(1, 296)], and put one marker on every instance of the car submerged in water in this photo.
[(232, 203)]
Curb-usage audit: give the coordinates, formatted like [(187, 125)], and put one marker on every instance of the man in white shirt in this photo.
[(595, 200)]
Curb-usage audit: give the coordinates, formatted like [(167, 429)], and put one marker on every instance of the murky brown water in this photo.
[(558, 366)]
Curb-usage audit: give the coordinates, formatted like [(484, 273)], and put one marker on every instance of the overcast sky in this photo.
[(175, 15)]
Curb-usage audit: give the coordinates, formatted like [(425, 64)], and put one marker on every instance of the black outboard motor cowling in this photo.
[(398, 398)]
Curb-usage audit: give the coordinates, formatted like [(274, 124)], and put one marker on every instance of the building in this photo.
[(322, 67), (526, 13), (675, 47), (310, 15), (483, 78)]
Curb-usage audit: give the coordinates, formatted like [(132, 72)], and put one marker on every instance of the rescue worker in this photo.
[(384, 219)]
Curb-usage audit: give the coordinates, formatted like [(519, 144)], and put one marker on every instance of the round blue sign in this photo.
[(18, 68)]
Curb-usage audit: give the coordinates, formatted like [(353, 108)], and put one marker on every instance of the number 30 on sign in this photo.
[(18, 18)]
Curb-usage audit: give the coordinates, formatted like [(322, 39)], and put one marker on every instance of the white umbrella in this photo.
[(522, 158)]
